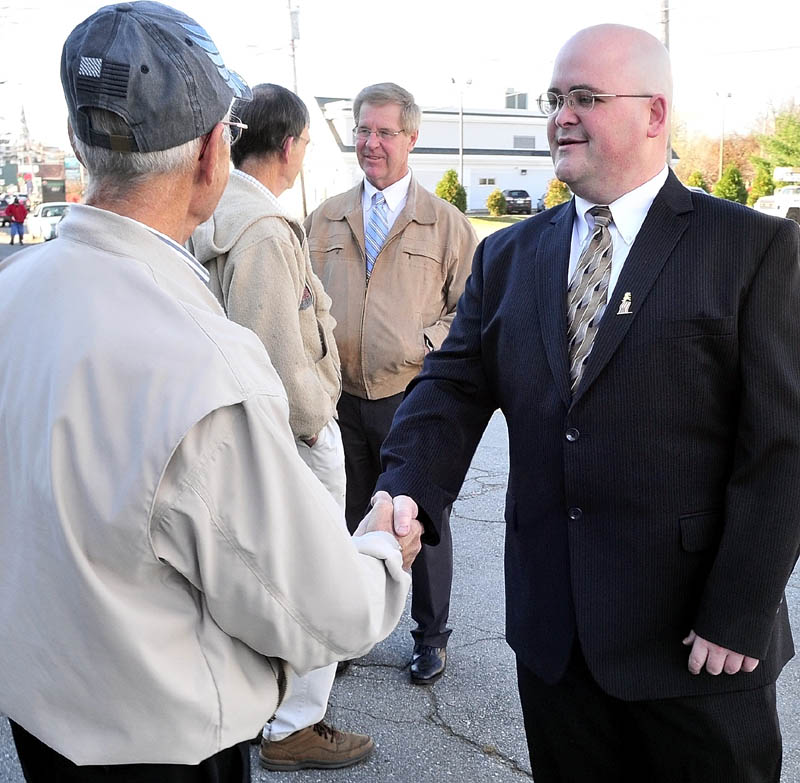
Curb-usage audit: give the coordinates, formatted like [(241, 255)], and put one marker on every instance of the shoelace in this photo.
[(325, 731)]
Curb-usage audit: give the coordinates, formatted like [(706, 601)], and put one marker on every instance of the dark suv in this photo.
[(517, 201)]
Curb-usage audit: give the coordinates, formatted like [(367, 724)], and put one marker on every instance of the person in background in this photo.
[(256, 255), (17, 212), (393, 258)]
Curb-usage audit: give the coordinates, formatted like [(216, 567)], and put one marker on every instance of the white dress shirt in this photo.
[(628, 213), (395, 195)]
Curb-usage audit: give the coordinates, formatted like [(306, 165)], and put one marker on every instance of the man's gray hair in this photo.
[(117, 173), (389, 92)]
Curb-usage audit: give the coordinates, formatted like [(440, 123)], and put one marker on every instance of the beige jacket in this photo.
[(163, 548), (257, 258), (412, 294)]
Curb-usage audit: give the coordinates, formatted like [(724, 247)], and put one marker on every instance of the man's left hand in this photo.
[(716, 659)]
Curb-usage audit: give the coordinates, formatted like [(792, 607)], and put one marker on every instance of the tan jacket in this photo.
[(412, 294), (162, 545), (257, 257)]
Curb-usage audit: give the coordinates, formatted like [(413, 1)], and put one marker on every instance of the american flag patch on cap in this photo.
[(103, 76), (90, 66)]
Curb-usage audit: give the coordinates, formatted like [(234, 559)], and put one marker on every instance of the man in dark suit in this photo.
[(642, 341)]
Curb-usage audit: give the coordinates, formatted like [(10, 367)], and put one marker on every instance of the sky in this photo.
[(732, 69)]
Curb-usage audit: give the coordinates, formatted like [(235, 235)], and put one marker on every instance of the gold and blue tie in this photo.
[(587, 293)]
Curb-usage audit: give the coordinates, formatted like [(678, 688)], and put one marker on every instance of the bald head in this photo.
[(638, 56), (621, 143)]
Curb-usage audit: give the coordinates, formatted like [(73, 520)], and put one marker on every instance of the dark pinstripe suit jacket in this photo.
[(665, 495)]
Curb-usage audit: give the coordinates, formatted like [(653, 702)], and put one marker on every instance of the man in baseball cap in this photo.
[(165, 553)]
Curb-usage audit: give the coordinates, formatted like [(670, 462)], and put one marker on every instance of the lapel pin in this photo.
[(625, 304)]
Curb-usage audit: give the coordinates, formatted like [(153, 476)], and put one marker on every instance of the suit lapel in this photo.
[(666, 221), (552, 263)]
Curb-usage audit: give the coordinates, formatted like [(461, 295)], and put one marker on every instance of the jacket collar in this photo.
[(419, 205)]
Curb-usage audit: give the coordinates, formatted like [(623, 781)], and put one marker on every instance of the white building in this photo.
[(502, 148)]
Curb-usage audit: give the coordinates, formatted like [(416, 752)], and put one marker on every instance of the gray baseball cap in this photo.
[(153, 66)]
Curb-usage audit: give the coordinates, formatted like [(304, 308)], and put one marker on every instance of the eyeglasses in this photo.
[(304, 139), (383, 134), (235, 127), (579, 101)]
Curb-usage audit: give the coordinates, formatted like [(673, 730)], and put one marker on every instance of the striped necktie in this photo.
[(587, 293), (376, 230)]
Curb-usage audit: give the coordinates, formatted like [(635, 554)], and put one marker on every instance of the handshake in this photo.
[(397, 516)]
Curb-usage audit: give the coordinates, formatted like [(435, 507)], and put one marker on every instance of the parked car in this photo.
[(57, 226), (517, 201), (42, 221), (784, 202), (5, 200)]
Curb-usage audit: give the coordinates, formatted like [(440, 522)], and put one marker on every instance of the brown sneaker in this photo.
[(317, 747)]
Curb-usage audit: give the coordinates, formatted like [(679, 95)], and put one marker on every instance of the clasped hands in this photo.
[(397, 516)]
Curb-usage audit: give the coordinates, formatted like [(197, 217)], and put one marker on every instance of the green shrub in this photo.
[(731, 186), (496, 203), (697, 180), (557, 193), (762, 183), (450, 189)]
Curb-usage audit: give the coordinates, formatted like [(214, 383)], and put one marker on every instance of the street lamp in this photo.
[(461, 129)]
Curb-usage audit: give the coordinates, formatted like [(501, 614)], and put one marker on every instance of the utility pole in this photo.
[(665, 41), (722, 97), (294, 22)]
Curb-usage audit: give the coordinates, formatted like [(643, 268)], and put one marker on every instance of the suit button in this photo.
[(572, 434), (575, 513)]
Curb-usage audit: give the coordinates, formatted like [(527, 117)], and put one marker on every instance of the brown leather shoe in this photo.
[(317, 747)]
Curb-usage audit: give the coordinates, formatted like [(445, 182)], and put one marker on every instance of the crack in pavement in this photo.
[(334, 708), (490, 638), (435, 718), (476, 519), (490, 751)]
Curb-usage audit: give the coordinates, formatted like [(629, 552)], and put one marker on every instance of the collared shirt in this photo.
[(628, 213), (395, 195)]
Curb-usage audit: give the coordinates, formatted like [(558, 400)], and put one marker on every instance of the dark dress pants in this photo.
[(579, 734), (364, 425), (41, 764)]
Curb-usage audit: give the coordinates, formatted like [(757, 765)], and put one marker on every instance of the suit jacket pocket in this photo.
[(698, 327), (700, 531)]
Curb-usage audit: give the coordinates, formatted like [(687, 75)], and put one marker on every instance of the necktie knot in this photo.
[(602, 216), (378, 200)]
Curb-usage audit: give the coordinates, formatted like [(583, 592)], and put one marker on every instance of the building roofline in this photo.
[(322, 102)]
